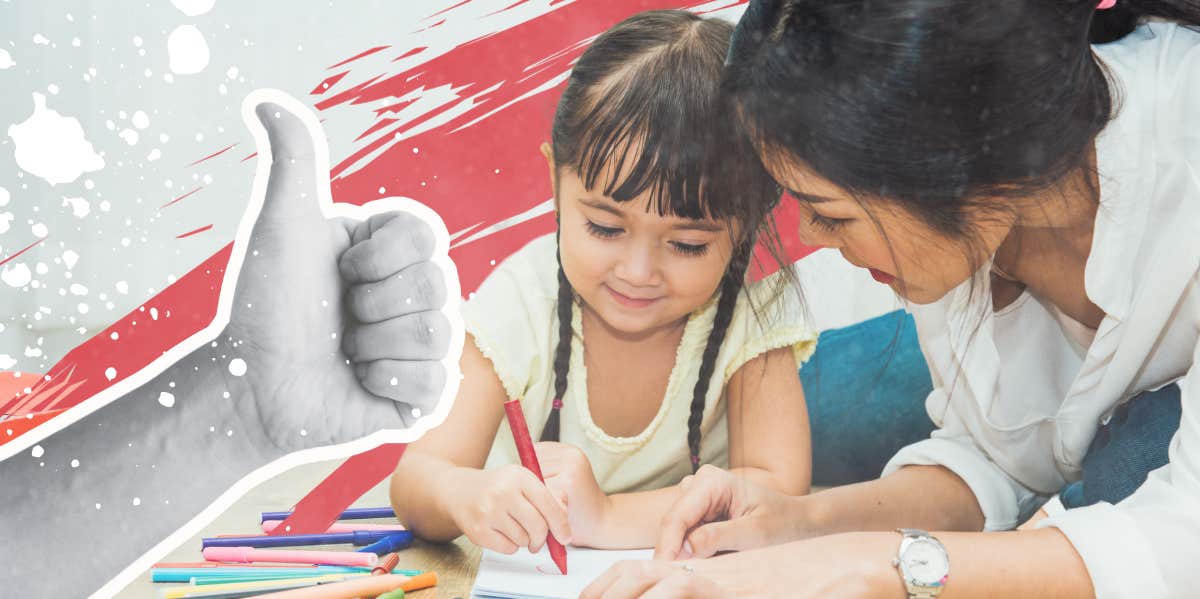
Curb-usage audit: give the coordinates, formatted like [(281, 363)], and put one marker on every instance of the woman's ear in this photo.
[(548, 154)]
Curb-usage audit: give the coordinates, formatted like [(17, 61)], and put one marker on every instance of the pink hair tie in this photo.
[(557, 404), (1106, 4)]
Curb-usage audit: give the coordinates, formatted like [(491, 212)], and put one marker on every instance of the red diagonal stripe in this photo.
[(357, 475)]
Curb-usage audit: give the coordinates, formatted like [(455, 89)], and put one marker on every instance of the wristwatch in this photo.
[(923, 563)]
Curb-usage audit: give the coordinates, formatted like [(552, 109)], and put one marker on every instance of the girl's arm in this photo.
[(440, 492), (768, 443), (435, 471)]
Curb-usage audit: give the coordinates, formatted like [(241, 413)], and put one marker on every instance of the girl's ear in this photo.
[(548, 154)]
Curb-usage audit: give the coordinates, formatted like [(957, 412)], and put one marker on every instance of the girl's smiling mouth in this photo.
[(630, 302)]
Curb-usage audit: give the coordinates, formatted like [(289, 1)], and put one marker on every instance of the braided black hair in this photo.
[(652, 81)]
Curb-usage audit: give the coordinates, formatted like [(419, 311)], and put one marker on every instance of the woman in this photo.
[(1036, 200)]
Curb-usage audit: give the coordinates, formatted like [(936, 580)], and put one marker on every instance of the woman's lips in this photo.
[(630, 302), (882, 277)]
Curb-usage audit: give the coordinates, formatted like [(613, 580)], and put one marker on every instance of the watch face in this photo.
[(925, 562)]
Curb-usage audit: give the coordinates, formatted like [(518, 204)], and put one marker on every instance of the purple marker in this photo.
[(354, 513), (358, 537)]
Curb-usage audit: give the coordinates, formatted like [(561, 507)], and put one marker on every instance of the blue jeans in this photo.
[(866, 387)]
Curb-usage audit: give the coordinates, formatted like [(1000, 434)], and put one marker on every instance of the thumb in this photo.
[(727, 535), (295, 148)]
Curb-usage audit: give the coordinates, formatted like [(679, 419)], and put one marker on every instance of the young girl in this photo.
[(628, 335), (1027, 175)]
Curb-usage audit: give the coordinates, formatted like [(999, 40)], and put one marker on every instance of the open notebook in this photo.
[(534, 576)]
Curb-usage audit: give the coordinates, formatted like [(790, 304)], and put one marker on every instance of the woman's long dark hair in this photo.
[(933, 104), (651, 84)]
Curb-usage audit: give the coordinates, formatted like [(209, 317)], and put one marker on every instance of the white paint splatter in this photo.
[(122, 287), (52, 146), (193, 8), (39, 230), (232, 73), (79, 206), (140, 120), (187, 49), (237, 367), (33, 352), (153, 313), (53, 89), (75, 464), (7, 361), (137, 41), (154, 154), (83, 308), (4, 197), (77, 289), (166, 399), (18, 275), (6, 60), (110, 373), (70, 258), (129, 135), (38, 451), (137, 501), (40, 40), (6, 219)]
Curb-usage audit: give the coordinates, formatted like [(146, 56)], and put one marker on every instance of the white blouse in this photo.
[(1020, 392)]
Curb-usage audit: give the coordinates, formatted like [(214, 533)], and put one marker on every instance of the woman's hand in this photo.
[(570, 478), (852, 565), (719, 511), (505, 508)]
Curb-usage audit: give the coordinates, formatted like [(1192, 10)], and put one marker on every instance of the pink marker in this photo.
[(270, 525), (289, 556)]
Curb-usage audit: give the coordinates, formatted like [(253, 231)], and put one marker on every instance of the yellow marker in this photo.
[(268, 585)]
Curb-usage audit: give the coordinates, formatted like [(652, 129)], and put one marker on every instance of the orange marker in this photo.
[(367, 586)]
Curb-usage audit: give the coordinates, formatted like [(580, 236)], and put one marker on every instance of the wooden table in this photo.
[(455, 563)]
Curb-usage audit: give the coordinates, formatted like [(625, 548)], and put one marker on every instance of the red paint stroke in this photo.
[(358, 56), (446, 10), (181, 197), (431, 26), (214, 154), (194, 231), (22, 251), (183, 308), (329, 82), (252, 155), (357, 475), (413, 52)]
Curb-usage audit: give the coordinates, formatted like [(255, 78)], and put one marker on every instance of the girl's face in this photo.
[(637, 271), (920, 263)]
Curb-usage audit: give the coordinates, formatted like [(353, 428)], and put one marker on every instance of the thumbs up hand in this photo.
[(344, 325)]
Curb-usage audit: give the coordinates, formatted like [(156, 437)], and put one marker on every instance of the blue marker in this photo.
[(354, 513), (358, 537), (394, 541)]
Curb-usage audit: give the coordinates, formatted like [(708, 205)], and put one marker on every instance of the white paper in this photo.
[(534, 576)]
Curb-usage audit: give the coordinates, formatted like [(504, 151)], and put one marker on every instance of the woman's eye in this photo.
[(602, 231), (828, 224), (690, 249)]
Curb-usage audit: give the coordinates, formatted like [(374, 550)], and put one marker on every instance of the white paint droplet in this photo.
[(75, 463), (193, 8), (38, 451), (303, 432), (188, 50), (97, 506), (137, 501), (110, 373), (6, 60), (166, 399), (114, 336), (394, 381), (17, 275), (52, 146), (237, 367)]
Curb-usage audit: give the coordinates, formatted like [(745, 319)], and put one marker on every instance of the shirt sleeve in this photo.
[(771, 317), (1004, 501), (510, 315), (1146, 545)]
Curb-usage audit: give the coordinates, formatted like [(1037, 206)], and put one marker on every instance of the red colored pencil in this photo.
[(520, 431)]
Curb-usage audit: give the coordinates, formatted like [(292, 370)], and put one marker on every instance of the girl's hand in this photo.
[(570, 478), (855, 565), (719, 511), (506, 508)]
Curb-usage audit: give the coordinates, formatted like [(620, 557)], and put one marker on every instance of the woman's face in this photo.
[(920, 263)]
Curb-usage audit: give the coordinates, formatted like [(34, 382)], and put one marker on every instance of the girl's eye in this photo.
[(830, 225), (690, 249), (602, 231)]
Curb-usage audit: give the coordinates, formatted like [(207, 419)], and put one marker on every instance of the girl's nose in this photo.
[(638, 266)]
